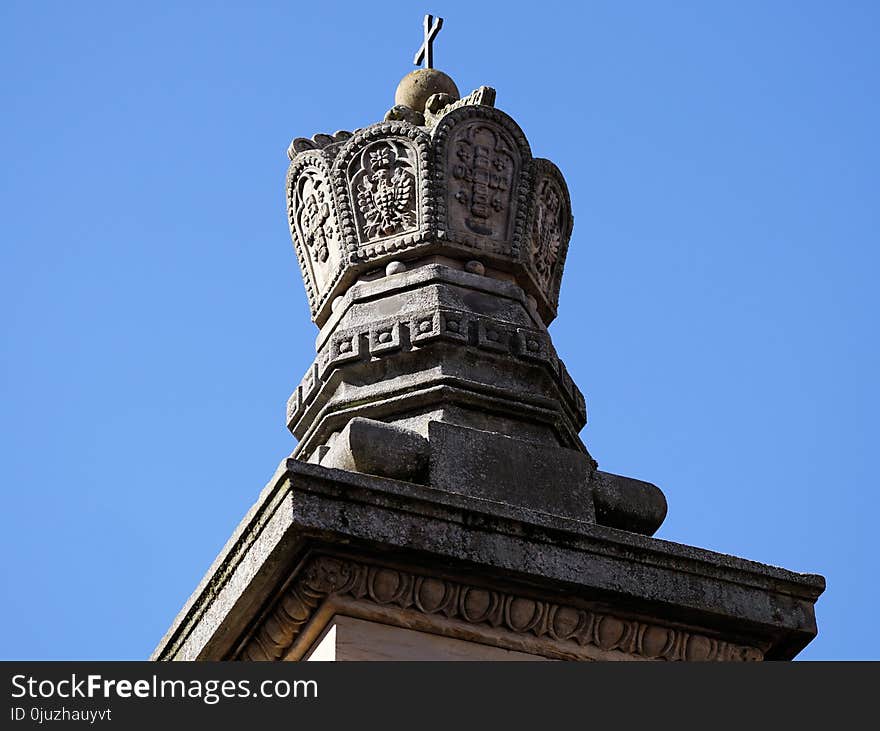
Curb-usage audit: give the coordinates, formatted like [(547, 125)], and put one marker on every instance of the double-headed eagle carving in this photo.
[(385, 193)]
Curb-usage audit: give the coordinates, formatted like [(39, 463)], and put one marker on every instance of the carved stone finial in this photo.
[(432, 246)]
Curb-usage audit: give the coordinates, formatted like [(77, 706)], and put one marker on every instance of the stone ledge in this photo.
[(668, 582)]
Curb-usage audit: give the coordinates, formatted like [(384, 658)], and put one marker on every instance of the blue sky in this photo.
[(719, 308)]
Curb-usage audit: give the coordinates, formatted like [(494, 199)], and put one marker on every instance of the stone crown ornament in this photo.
[(447, 176)]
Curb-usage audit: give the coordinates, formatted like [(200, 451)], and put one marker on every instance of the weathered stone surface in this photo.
[(376, 448), (655, 593), (417, 86), (627, 504), (445, 199), (439, 105), (440, 495), (495, 467), (394, 341), (432, 247), (334, 586), (467, 187), (401, 347)]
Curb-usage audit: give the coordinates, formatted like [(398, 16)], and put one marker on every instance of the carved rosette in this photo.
[(311, 213), (549, 229), (481, 161)]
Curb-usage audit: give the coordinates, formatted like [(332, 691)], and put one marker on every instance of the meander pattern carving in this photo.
[(421, 329)]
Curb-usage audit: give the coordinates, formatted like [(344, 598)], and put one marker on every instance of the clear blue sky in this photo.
[(719, 308)]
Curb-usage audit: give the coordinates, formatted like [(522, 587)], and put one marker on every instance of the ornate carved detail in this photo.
[(318, 142), (390, 188), (312, 215), (295, 607), (311, 212), (477, 606), (550, 225), (402, 113), (482, 163), (483, 167), (439, 105), (382, 182), (384, 337), (546, 229)]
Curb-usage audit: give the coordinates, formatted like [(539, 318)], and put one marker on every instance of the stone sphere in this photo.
[(415, 88)]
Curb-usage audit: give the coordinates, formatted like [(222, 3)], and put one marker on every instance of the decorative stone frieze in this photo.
[(411, 332), (573, 631)]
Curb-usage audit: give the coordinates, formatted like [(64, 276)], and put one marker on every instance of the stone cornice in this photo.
[(556, 630), (306, 504)]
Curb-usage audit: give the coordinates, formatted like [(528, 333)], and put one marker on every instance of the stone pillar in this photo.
[(440, 503)]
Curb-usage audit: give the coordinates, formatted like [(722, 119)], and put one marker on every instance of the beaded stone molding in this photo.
[(464, 186)]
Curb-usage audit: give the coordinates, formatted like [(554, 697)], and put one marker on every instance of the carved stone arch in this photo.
[(383, 185), (313, 217), (548, 231), (483, 164)]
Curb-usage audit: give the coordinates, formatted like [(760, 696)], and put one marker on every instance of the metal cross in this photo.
[(426, 52)]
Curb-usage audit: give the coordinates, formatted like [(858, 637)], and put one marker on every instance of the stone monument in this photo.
[(440, 503)]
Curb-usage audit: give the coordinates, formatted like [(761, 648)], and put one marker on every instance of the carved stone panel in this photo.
[(549, 229), (482, 164), (314, 225), (483, 160), (383, 181), (381, 175)]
